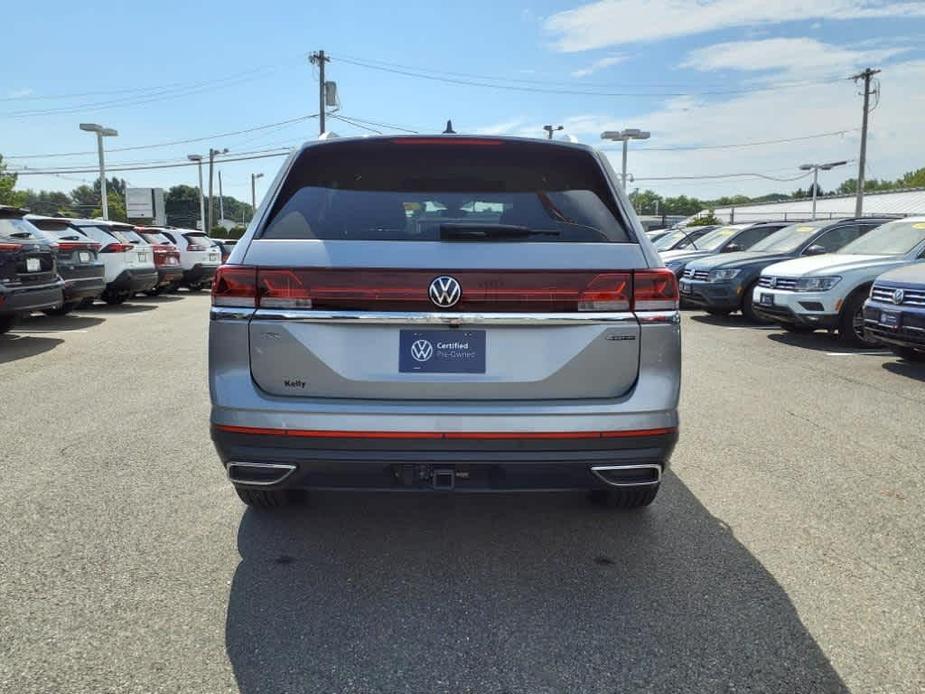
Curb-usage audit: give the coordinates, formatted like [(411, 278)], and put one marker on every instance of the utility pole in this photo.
[(101, 132), (867, 75), (221, 200), (202, 205), (254, 177), (318, 58), (212, 154)]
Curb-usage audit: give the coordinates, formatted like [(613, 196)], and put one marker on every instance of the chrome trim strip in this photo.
[(598, 469), (230, 313), (649, 317), (263, 466), (385, 317)]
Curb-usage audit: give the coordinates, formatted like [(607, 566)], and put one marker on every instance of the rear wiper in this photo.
[(21, 235), (487, 232)]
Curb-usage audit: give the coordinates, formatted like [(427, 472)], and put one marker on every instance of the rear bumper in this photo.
[(26, 299), (422, 464), (169, 275), (84, 288), (199, 273), (134, 281)]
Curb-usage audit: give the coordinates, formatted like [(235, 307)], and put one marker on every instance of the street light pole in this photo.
[(816, 168), (551, 129), (625, 136), (212, 154), (101, 132), (202, 203), (254, 178)]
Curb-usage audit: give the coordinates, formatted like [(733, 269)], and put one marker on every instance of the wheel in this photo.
[(748, 308), (194, 287), (908, 353), (6, 322), (718, 312), (117, 298), (625, 497), (157, 291), (86, 303), (62, 310), (799, 329), (851, 321), (263, 498)]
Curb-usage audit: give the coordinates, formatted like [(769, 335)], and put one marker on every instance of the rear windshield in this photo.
[(387, 191), (682, 238), (19, 229), (98, 234), (198, 238), (789, 238), (128, 236), (893, 238), (153, 237)]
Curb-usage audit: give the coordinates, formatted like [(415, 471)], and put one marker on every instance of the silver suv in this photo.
[(445, 313)]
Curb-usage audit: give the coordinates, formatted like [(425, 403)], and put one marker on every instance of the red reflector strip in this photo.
[(485, 435), (452, 141)]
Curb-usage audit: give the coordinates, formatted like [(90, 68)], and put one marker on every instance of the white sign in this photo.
[(145, 203)]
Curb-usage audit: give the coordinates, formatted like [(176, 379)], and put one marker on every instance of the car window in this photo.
[(127, 236), (716, 238), (406, 190), (748, 238), (788, 239), (153, 237), (833, 239), (98, 234), (893, 238), (18, 228)]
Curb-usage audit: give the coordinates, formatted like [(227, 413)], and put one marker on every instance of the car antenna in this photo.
[(449, 128)]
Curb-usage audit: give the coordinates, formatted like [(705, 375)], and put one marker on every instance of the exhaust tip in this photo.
[(629, 475), (261, 474)]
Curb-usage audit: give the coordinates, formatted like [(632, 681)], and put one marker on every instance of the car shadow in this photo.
[(53, 324), (159, 299), (733, 320), (506, 593), (822, 342), (128, 307), (905, 368), (14, 347)]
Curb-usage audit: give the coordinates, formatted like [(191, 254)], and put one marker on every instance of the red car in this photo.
[(166, 260)]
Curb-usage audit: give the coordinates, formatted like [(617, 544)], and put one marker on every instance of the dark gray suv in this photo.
[(445, 313)]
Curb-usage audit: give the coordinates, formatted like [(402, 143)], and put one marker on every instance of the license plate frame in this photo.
[(891, 319), (442, 351), (33, 265), (765, 299)]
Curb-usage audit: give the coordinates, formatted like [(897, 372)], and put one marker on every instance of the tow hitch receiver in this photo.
[(444, 478)]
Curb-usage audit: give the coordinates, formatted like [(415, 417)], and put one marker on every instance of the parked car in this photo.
[(128, 259), (166, 260), (225, 246), (656, 234), (78, 262), (29, 278), (895, 312), (724, 239), (725, 283), (685, 237), (828, 292), (366, 333), (199, 258)]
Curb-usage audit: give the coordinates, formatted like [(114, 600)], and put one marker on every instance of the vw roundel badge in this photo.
[(422, 350), (898, 296), (445, 291)]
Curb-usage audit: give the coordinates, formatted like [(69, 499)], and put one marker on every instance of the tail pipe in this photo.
[(259, 474), (629, 475)]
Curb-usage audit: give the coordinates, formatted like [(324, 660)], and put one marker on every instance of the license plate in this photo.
[(685, 287), (213, 257), (766, 299), (441, 351), (142, 257), (33, 264), (890, 319), (84, 256)]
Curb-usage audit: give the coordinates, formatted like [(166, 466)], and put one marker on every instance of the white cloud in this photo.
[(617, 22), (20, 93), (599, 65), (801, 57), (501, 128)]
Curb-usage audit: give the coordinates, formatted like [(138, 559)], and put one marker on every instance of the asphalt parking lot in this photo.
[(783, 554)]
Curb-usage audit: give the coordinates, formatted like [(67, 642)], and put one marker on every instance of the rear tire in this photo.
[(851, 321), (157, 291), (263, 499), (86, 303), (748, 307), (625, 498), (194, 287), (6, 322), (117, 298), (908, 354), (62, 310)]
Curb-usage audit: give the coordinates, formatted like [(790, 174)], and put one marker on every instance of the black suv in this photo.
[(895, 312), (723, 283), (29, 278), (79, 263)]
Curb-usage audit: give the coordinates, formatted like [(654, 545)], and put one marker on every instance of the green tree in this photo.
[(645, 202), (682, 205), (181, 203), (8, 196), (913, 179), (116, 208), (705, 220)]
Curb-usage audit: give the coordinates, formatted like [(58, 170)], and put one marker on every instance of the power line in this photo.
[(721, 176), (483, 82), (43, 172), (256, 128), (739, 144)]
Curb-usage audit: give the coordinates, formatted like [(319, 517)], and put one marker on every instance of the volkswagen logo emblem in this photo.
[(898, 296), (422, 350), (445, 292), (773, 283)]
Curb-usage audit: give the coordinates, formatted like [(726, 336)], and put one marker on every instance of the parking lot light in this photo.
[(101, 132), (625, 136), (815, 168)]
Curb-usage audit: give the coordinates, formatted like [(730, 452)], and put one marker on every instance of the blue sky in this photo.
[(179, 70)]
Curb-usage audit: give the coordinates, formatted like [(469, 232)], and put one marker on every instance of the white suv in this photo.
[(828, 291), (199, 257)]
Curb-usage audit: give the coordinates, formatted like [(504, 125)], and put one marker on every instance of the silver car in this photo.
[(445, 313)]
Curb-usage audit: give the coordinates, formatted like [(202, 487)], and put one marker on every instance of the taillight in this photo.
[(117, 248), (451, 141), (7, 247), (76, 246), (608, 291), (655, 290), (282, 289), (235, 286)]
